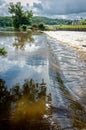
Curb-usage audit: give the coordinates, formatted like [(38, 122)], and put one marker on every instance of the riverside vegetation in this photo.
[(47, 24)]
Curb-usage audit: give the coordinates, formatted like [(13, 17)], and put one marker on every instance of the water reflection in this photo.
[(21, 39), (25, 107), (32, 62)]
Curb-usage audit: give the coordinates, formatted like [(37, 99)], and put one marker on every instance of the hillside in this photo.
[(50, 21)]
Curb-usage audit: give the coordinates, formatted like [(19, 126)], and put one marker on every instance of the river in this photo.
[(42, 84)]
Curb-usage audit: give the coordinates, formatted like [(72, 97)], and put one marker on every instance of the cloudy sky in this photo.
[(51, 8)]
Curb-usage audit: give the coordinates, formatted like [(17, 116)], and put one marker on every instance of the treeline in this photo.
[(7, 21)]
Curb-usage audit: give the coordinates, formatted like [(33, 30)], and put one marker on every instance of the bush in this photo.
[(3, 51), (35, 26), (41, 26), (24, 27)]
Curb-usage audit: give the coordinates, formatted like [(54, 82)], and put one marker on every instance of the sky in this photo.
[(24, 2), (73, 9)]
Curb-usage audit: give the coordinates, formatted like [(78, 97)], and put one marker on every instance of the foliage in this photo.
[(41, 26), (83, 22), (5, 21), (24, 27), (50, 21), (35, 26), (50, 24), (3, 51), (20, 16)]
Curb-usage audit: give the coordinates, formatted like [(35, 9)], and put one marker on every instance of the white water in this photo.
[(72, 38)]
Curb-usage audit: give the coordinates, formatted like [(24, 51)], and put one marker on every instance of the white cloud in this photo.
[(4, 4), (62, 8), (3, 8), (24, 2), (56, 9)]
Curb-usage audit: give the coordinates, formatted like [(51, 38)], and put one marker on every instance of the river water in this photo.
[(42, 84)]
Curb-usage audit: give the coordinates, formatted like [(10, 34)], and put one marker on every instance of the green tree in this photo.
[(82, 21), (20, 17), (5, 21)]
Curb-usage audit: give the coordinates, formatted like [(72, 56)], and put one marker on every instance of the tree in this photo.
[(5, 21), (82, 21), (20, 17)]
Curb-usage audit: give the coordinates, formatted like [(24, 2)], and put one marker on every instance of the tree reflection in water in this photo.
[(24, 107), (28, 107), (21, 38)]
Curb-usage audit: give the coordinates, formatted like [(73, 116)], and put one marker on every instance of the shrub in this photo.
[(41, 26), (24, 27), (34, 26), (3, 51)]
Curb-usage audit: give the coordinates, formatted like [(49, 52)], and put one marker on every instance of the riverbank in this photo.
[(74, 39), (66, 27)]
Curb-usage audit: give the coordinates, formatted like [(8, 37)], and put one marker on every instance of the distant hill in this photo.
[(7, 21), (50, 21)]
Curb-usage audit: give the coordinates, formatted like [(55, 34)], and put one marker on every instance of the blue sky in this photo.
[(51, 8)]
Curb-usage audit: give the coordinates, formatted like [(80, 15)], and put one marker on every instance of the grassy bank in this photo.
[(67, 27)]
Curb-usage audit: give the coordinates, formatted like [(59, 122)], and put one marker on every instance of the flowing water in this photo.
[(42, 84)]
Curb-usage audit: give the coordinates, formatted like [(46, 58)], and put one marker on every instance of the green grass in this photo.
[(67, 27), (71, 26)]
